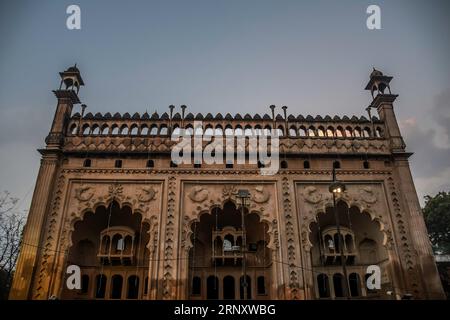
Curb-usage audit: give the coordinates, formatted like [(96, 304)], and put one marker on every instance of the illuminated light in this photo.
[(337, 187)]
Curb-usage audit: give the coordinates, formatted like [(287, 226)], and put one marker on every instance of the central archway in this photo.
[(218, 252)]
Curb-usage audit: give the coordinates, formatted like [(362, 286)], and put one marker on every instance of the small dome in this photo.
[(89, 115), (73, 69), (189, 116), (376, 72), (98, 115), (209, 116), (363, 119), (164, 116), (136, 116)]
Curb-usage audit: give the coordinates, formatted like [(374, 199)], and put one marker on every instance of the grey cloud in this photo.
[(441, 110), (427, 159), (430, 163)]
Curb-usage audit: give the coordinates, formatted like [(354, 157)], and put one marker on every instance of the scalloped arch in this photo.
[(383, 226), (92, 209), (201, 211)]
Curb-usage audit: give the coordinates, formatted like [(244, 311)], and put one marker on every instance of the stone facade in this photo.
[(107, 185)]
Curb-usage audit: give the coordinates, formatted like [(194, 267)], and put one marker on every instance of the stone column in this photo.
[(168, 265), (309, 282), (419, 235), (384, 105), (429, 274), (277, 289), (30, 249), (290, 238), (395, 273), (34, 231)]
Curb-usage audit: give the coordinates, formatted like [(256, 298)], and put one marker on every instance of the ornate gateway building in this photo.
[(110, 200)]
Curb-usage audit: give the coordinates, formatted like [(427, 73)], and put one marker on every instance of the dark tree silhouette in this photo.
[(11, 226), (437, 219)]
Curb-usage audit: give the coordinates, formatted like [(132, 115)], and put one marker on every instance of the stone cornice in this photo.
[(146, 145), (227, 172)]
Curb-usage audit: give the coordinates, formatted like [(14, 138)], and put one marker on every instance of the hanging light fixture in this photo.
[(244, 200), (336, 187)]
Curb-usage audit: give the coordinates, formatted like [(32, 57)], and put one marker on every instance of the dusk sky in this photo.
[(225, 56)]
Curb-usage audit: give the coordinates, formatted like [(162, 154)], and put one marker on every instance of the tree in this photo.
[(437, 219), (11, 227)]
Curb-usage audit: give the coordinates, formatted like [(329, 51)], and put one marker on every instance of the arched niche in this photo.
[(216, 248), (107, 241)]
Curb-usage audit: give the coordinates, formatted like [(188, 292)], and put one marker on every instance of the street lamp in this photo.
[(244, 201), (337, 187)]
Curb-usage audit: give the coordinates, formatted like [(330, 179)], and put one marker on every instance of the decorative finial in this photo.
[(284, 110), (83, 107), (183, 107), (171, 107), (272, 107)]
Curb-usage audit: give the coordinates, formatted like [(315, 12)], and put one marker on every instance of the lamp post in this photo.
[(337, 187), (244, 200)]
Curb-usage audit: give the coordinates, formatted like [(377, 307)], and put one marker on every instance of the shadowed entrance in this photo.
[(216, 257)]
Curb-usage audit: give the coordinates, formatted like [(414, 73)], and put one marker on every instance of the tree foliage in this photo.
[(11, 227), (437, 219)]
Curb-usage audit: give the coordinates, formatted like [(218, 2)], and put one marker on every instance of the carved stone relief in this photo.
[(87, 196), (169, 242), (291, 239)]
